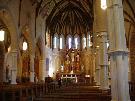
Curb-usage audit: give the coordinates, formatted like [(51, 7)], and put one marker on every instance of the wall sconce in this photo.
[(9, 48), (97, 46), (25, 46), (2, 33), (107, 44), (103, 4)]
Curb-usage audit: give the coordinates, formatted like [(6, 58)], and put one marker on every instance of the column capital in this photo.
[(97, 68), (31, 76), (118, 52), (102, 36), (113, 3), (14, 51), (32, 56), (101, 33), (103, 65), (42, 60)]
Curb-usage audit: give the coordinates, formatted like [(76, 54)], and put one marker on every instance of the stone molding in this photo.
[(118, 52)]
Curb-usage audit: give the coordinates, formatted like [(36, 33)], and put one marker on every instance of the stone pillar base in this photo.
[(31, 76), (42, 70), (104, 81), (97, 78), (13, 76)]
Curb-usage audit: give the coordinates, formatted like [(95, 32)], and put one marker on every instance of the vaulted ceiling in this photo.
[(66, 16), (76, 16), (71, 17), (129, 18)]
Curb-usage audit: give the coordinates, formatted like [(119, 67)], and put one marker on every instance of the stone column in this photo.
[(118, 51), (45, 58), (32, 68), (97, 68), (42, 62), (100, 29), (41, 70), (103, 61), (14, 66)]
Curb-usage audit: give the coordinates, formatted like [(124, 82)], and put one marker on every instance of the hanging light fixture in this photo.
[(103, 4), (2, 33), (25, 45)]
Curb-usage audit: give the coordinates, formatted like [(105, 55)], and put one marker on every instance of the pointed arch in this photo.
[(7, 18)]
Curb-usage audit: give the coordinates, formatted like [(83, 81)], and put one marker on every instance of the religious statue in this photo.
[(72, 56), (77, 57), (82, 68), (67, 57)]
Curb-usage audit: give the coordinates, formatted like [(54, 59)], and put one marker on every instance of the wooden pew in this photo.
[(132, 90), (24, 92)]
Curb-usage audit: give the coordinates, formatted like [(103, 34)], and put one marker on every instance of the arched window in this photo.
[(61, 46), (62, 41), (2, 33), (89, 40), (84, 41), (76, 43), (25, 46), (69, 42), (55, 41)]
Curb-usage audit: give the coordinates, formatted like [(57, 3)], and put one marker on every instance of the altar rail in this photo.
[(25, 92), (132, 90)]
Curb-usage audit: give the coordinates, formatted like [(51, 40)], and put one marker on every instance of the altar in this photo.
[(81, 79), (71, 63), (74, 67), (66, 78)]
